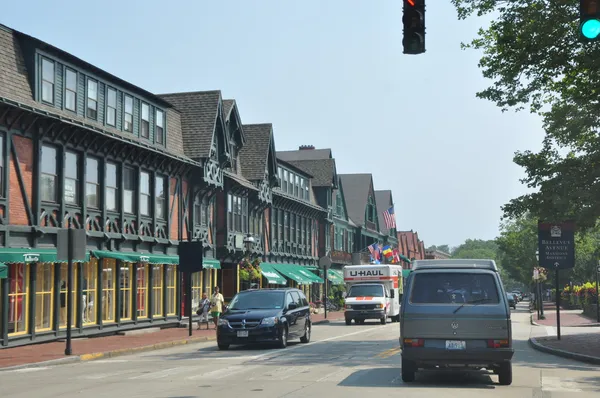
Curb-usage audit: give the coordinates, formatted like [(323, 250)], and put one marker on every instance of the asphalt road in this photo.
[(341, 361)]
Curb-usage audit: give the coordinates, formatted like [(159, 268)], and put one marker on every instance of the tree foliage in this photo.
[(476, 248), (532, 53), (442, 248)]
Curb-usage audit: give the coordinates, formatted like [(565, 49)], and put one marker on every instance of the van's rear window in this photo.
[(457, 288)]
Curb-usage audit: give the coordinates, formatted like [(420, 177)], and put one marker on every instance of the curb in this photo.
[(562, 353), (588, 325)]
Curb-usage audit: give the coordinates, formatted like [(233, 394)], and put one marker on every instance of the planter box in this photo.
[(590, 310)]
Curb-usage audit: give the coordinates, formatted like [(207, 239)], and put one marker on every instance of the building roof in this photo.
[(305, 152), (317, 162), (356, 194), (254, 155)]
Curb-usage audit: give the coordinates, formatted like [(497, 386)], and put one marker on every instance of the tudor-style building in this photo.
[(344, 229), (81, 148)]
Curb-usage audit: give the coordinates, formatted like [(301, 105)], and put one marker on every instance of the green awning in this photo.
[(134, 257), (272, 276), (3, 271), (335, 276), (29, 255), (406, 272), (310, 267), (292, 271), (308, 274), (210, 263)]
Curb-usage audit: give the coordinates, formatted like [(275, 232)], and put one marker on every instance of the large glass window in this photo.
[(18, 289), (109, 274), (145, 120), (306, 190), (48, 77), (125, 291), (160, 127), (157, 290), (92, 183), (171, 285), (111, 107), (92, 99), (129, 182), (286, 222), (301, 191), (142, 290), (128, 114), (145, 193), (89, 289), (454, 288), (64, 297), (71, 90), (49, 174), (71, 178), (43, 296), (161, 198), (111, 187)]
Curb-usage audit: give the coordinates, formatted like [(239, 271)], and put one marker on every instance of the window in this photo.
[(71, 90), (454, 288), (128, 123), (237, 213), (92, 99), (160, 197), (370, 210), (43, 296), (111, 187), (109, 274), (280, 175), (49, 175), (145, 193), (296, 185), (48, 81), (306, 191), (301, 192), (286, 223), (2, 191), (284, 188), (280, 217), (145, 120), (142, 290), (171, 284), (339, 208), (157, 290), (71, 178), (160, 127), (92, 183), (111, 107), (298, 227), (88, 289), (18, 306), (125, 291), (129, 190), (64, 298), (290, 184), (366, 291)]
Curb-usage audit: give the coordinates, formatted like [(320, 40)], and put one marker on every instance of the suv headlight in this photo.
[(270, 321), (223, 322)]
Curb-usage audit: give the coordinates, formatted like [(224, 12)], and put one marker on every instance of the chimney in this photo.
[(306, 147)]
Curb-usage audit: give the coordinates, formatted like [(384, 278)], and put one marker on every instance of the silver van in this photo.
[(455, 314)]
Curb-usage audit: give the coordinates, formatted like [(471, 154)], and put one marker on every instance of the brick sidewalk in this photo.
[(566, 319), (586, 345), (98, 347)]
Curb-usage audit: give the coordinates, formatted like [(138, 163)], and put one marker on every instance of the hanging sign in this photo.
[(556, 243)]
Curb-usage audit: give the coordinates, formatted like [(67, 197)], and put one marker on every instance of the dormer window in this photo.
[(234, 158), (371, 210), (145, 121), (160, 127), (92, 99), (47, 81)]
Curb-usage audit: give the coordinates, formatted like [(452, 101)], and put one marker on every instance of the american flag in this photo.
[(390, 218)]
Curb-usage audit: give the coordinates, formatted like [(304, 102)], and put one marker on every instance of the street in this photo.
[(341, 361)]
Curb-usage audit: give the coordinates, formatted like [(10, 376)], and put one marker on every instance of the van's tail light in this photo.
[(497, 343), (414, 342)]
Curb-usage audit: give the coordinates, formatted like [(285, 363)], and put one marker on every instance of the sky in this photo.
[(329, 74)]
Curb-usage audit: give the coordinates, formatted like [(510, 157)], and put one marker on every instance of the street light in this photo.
[(249, 242)]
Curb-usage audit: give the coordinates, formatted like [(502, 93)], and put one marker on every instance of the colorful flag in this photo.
[(387, 252), (396, 256), (390, 218), (374, 249)]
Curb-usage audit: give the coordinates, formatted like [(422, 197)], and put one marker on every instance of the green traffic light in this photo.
[(590, 29)]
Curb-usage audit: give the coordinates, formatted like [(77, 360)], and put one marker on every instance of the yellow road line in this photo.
[(389, 353)]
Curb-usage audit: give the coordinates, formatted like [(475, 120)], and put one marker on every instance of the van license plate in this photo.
[(242, 333), (455, 345)]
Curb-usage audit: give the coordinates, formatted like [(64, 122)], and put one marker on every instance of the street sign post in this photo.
[(556, 244), (191, 255), (324, 264), (71, 245)]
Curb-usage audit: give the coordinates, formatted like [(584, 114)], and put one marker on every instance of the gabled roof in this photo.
[(231, 114), (323, 171), (259, 151), (356, 193), (305, 154), (340, 188), (383, 200), (199, 114)]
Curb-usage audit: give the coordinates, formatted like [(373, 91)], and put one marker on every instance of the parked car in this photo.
[(518, 296), (265, 316), (512, 300), (456, 313)]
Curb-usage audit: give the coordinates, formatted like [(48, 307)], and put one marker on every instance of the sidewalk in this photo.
[(568, 318), (88, 349), (584, 347)]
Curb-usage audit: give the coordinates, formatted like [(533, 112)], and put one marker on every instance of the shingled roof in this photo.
[(255, 154), (305, 153), (356, 193), (199, 115), (383, 200), (317, 162)]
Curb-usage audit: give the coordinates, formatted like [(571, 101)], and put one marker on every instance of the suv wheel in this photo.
[(383, 320), (283, 339), (348, 321), (505, 373), (306, 338), (408, 371)]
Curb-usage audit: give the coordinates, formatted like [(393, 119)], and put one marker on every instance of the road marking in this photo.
[(550, 331), (26, 370), (163, 373), (389, 353), (558, 384), (223, 373)]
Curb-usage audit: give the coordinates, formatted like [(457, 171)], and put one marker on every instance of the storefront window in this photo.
[(18, 277), (142, 290), (63, 295), (88, 299), (43, 296), (109, 273), (171, 284), (157, 290), (196, 289), (125, 291)]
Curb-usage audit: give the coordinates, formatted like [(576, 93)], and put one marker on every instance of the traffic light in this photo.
[(589, 17), (413, 19)]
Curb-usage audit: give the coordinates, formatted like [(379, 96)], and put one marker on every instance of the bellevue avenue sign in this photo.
[(556, 243)]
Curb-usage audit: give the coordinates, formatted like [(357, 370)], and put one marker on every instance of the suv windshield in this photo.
[(366, 291), (454, 288), (257, 300)]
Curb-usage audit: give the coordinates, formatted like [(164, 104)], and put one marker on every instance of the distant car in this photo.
[(512, 300), (518, 296)]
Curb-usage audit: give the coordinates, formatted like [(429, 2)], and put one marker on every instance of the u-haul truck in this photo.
[(373, 292)]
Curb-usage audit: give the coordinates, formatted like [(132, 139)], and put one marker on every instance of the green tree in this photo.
[(442, 248), (517, 244), (476, 248), (532, 54)]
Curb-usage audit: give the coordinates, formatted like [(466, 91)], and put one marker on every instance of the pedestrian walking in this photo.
[(216, 304), (203, 308)]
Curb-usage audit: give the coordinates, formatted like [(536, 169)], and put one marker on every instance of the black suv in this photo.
[(265, 316)]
